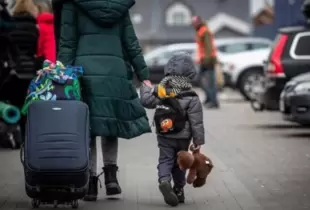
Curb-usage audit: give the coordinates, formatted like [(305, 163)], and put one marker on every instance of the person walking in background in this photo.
[(24, 35), (5, 17), (99, 36), (8, 48), (206, 58), (46, 42)]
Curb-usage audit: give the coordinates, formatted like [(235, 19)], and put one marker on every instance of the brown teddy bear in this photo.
[(198, 164)]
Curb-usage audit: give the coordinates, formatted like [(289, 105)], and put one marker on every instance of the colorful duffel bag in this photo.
[(54, 82)]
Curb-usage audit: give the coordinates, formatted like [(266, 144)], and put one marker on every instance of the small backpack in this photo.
[(170, 117)]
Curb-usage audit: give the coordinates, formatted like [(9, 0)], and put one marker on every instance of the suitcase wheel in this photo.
[(75, 204), (35, 203)]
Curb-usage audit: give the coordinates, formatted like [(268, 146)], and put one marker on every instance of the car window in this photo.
[(235, 48), (161, 56), (154, 53), (165, 56), (302, 47), (255, 46), (222, 48)]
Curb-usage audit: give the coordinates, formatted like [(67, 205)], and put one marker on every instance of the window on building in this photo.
[(178, 14)]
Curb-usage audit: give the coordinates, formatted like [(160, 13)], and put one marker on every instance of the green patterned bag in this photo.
[(54, 82)]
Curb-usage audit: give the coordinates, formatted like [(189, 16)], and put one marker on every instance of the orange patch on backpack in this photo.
[(166, 125)]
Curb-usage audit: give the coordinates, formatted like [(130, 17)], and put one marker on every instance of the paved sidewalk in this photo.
[(260, 162)]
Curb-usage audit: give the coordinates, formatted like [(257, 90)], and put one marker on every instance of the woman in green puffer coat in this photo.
[(99, 35)]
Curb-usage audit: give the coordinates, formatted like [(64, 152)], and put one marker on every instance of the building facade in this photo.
[(160, 22), (285, 13)]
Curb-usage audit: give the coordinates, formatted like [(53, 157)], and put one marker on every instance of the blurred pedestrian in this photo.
[(5, 17), (24, 35), (206, 58), (8, 49), (46, 42), (99, 36)]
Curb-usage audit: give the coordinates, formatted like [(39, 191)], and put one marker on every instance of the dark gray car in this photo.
[(294, 101)]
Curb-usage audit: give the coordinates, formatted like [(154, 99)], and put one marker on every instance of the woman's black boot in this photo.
[(110, 180), (92, 192)]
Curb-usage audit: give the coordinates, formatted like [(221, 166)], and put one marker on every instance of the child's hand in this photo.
[(147, 83), (195, 147)]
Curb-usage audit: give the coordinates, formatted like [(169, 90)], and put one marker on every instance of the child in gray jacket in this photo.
[(175, 96)]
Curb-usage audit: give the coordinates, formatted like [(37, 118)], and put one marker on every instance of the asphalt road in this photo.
[(260, 162)]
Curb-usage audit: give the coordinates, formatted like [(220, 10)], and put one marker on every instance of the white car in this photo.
[(244, 70), (223, 45), (156, 59), (241, 44)]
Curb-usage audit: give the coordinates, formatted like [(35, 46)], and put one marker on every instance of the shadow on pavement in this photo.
[(18, 204), (304, 135), (113, 199), (279, 126), (233, 100), (7, 150), (25, 204)]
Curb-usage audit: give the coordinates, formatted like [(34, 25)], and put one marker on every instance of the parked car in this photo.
[(289, 57), (294, 101), (241, 44), (243, 70), (157, 58)]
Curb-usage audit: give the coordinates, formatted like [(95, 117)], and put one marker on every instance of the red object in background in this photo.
[(275, 67), (46, 42)]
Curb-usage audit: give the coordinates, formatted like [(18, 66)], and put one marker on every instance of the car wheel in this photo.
[(256, 106), (249, 81)]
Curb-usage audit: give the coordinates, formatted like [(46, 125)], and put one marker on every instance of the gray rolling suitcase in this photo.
[(56, 152)]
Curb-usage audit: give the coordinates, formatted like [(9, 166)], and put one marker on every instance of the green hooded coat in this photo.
[(99, 36)]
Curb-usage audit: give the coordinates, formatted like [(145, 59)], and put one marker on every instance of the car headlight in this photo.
[(289, 86), (291, 83), (302, 87)]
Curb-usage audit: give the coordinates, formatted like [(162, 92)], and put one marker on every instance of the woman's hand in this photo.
[(147, 83)]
